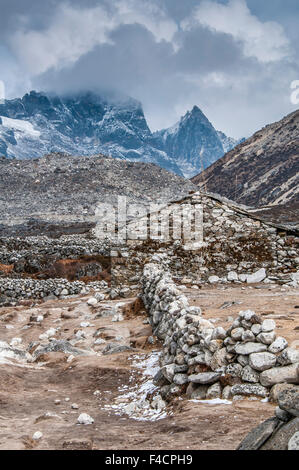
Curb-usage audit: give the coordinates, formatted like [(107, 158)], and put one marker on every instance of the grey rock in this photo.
[(281, 437), (282, 415), (277, 375), (262, 361), (250, 375), (249, 348), (278, 345), (259, 435), (288, 356), (204, 378), (214, 391), (288, 400), (249, 389)]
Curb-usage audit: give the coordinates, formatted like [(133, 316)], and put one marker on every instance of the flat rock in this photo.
[(258, 436), (288, 374), (250, 348), (262, 361), (249, 389), (258, 276), (281, 437), (204, 378)]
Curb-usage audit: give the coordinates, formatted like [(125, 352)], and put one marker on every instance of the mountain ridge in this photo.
[(88, 123)]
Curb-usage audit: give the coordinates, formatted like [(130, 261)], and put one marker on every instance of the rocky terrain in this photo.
[(59, 193), (261, 171), (90, 123), (79, 371)]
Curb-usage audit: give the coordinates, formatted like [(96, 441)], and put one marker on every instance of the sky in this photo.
[(235, 59)]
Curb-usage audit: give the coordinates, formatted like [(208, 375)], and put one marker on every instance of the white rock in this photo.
[(37, 435), (74, 406), (92, 301), (84, 418), (262, 361), (268, 325), (278, 345), (213, 279), (232, 276), (258, 276)]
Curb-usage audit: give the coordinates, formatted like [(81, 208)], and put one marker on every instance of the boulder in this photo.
[(258, 276), (288, 400), (262, 361), (288, 374), (249, 348), (249, 389)]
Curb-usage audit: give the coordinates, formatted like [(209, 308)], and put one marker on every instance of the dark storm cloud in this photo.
[(170, 54)]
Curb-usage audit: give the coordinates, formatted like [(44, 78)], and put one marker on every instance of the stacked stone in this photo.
[(13, 290), (208, 362)]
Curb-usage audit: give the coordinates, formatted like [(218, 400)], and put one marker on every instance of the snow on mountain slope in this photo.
[(193, 142)]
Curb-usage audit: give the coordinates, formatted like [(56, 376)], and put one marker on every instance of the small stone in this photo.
[(204, 377), (288, 356), (236, 333), (180, 379), (249, 389), (214, 391), (37, 436), (92, 301), (256, 329), (227, 392), (262, 361), (256, 277), (85, 419), (249, 348), (266, 338), (74, 406), (278, 345), (268, 325), (249, 375)]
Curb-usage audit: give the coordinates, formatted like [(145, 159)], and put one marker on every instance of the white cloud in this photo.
[(266, 41), (76, 31)]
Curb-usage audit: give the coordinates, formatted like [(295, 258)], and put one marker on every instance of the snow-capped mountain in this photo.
[(88, 124), (85, 124), (194, 143)]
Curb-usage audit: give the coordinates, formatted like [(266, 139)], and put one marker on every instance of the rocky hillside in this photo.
[(64, 190), (261, 171), (193, 142)]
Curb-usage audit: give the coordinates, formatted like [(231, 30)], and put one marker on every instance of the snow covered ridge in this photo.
[(204, 361), (87, 124)]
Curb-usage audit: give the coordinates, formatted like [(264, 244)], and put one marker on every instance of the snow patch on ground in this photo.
[(214, 401), (141, 400)]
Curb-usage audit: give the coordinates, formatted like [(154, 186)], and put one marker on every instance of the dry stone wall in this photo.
[(205, 361)]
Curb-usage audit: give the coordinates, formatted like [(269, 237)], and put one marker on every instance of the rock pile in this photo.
[(206, 361), (13, 290)]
